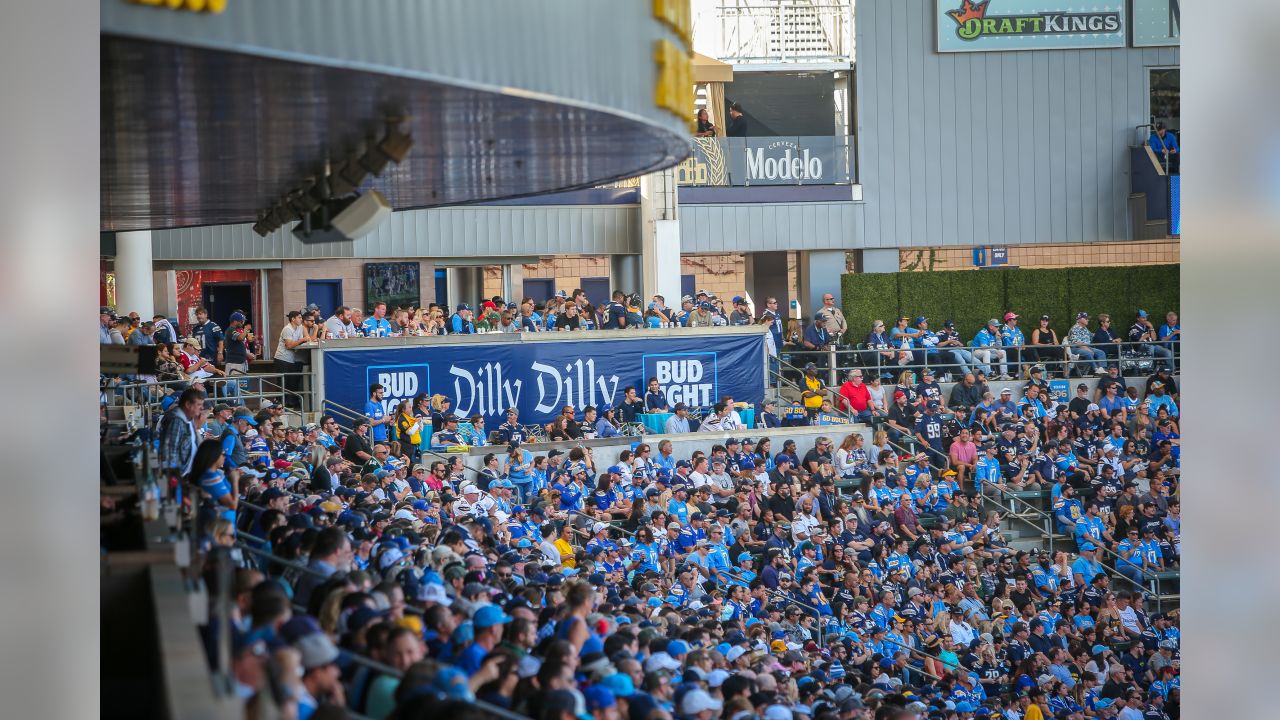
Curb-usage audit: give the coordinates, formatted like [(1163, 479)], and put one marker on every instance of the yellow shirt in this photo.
[(566, 553), (813, 402), (1033, 713)]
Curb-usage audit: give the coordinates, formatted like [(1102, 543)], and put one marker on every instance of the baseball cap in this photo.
[(599, 697), (1142, 313), (1082, 314), (697, 700), (488, 616), (237, 317), (1010, 316), (317, 650), (921, 319)]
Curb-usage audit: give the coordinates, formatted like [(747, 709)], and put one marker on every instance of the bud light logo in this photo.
[(401, 382), (688, 378)]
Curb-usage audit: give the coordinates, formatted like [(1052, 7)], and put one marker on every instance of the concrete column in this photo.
[(880, 260), (166, 292), (512, 281), (466, 285), (767, 276), (819, 272), (624, 270), (134, 281), (659, 238)]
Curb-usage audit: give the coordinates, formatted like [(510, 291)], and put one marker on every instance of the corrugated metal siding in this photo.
[(594, 51), (773, 226), (992, 148), (438, 233)]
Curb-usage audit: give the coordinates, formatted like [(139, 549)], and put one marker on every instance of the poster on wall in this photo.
[(395, 283), (995, 25)]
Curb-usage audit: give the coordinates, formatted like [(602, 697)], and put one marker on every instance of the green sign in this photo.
[(1156, 22), (993, 25)]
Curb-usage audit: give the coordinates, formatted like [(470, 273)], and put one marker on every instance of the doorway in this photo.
[(324, 294), (539, 289), (222, 299), (688, 286), (1164, 97), (597, 290), (442, 287)]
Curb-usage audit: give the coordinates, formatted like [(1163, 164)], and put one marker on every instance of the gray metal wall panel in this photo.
[(598, 52), (1000, 148), (767, 227), (443, 232)]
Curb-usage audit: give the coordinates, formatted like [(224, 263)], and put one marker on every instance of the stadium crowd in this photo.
[(862, 577)]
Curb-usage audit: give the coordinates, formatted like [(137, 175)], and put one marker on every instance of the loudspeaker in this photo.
[(364, 214)]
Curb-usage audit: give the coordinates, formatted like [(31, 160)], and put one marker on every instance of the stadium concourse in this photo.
[(861, 573)]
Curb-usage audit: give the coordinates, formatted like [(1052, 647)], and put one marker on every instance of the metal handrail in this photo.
[(1049, 530), (350, 414), (835, 351), (784, 365)]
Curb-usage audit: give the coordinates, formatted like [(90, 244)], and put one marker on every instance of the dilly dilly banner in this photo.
[(540, 378)]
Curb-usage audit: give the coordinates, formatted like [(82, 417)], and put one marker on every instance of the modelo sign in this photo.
[(540, 377), (783, 160)]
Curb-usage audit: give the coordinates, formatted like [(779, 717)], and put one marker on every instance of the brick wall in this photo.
[(1146, 252), (350, 271)]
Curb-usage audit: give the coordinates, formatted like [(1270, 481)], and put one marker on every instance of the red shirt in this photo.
[(856, 397)]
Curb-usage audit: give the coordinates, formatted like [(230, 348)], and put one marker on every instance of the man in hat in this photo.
[(1013, 340)]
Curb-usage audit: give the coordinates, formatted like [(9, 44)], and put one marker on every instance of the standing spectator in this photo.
[(287, 361), (615, 313), (460, 321), (835, 322), (1078, 339), (209, 335), (376, 414), (1105, 339), (377, 324), (705, 127), (1142, 332), (1013, 340), (737, 122), (771, 310), (741, 314), (1165, 145), (987, 350), (178, 431), (236, 345)]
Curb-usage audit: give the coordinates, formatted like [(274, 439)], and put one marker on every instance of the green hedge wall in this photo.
[(868, 296), (971, 297)]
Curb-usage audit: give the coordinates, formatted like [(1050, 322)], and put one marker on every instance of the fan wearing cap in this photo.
[(461, 321), (1013, 341), (987, 344), (1142, 331), (321, 677)]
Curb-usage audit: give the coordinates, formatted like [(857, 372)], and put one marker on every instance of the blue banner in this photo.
[(539, 378), (1175, 205)]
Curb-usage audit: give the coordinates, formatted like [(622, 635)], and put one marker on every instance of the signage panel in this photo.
[(540, 377), (993, 25)]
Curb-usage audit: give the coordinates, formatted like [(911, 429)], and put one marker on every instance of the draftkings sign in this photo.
[(992, 25)]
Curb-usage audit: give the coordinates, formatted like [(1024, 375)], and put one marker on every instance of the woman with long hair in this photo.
[(1044, 346), (572, 625), (907, 386), (879, 403), (215, 487), (408, 430)]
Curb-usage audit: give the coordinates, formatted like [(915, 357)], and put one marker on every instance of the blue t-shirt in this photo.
[(375, 411), (375, 327)]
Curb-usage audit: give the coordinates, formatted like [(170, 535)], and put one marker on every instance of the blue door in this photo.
[(687, 287), (442, 287), (324, 294), (539, 288), (597, 290)]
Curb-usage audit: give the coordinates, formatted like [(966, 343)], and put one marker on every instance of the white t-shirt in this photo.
[(292, 334)]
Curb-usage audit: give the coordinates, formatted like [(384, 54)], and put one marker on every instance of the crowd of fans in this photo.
[(735, 583)]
